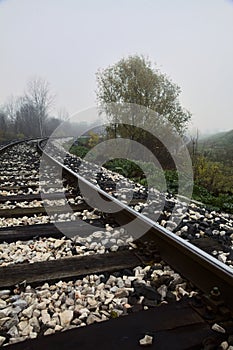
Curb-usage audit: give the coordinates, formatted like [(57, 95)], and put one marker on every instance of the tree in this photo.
[(28, 115), (26, 121), (52, 124), (10, 107), (3, 125), (39, 98), (63, 114), (133, 80)]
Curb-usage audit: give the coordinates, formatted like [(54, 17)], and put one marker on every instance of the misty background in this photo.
[(66, 42)]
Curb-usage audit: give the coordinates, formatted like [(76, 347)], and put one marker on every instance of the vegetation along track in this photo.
[(170, 290)]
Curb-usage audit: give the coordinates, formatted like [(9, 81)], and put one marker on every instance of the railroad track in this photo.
[(168, 289)]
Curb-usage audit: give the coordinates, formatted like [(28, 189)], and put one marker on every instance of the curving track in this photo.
[(126, 276)]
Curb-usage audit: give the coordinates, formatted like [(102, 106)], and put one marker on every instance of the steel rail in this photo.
[(176, 323), (200, 268)]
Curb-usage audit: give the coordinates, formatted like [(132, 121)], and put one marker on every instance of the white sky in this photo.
[(66, 41)]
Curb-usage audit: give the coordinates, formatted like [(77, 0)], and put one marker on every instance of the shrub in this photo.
[(79, 151)]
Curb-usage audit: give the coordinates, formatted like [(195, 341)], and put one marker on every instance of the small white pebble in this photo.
[(218, 328), (2, 339), (147, 340), (224, 345)]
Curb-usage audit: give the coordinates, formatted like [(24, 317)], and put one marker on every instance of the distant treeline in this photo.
[(28, 115)]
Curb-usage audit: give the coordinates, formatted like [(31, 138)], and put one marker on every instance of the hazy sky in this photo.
[(66, 41)]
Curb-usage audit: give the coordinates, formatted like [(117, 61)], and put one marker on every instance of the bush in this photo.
[(79, 151), (93, 140), (221, 202), (214, 176), (212, 186), (125, 167)]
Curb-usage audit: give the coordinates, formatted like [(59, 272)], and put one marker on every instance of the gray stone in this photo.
[(33, 335), (147, 340), (76, 321), (52, 323), (92, 302), (224, 345), (3, 304), (27, 330), (16, 340), (120, 283), (216, 327), (58, 243), (2, 339), (13, 298), (127, 283), (222, 257), (16, 310), (35, 324), (3, 321), (5, 292), (5, 312), (114, 289), (22, 325), (13, 332), (58, 328), (66, 317), (121, 293), (92, 318), (28, 311), (41, 306), (21, 303), (36, 313), (114, 248), (49, 331), (111, 280), (69, 302), (10, 323), (45, 317), (162, 291)]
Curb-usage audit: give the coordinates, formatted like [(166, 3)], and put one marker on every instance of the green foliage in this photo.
[(113, 314), (20, 136), (134, 80), (213, 170), (213, 183), (172, 181), (213, 180), (213, 176), (212, 186), (93, 140), (83, 140), (144, 173), (79, 151), (221, 202), (124, 167)]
